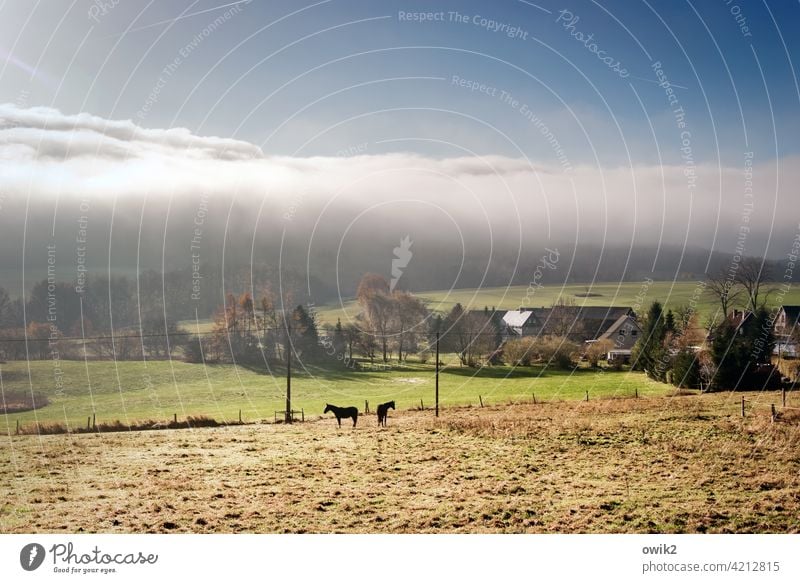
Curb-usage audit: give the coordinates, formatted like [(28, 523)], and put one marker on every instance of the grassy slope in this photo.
[(131, 391), (683, 464), (614, 294)]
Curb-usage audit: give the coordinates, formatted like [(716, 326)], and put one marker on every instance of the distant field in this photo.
[(658, 464), (135, 391), (608, 294)]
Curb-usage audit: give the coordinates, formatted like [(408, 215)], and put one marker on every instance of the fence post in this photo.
[(421, 405), (366, 406), (240, 416), (88, 423), (773, 412), (302, 415), (94, 420), (636, 392), (534, 398), (175, 418), (481, 400), (783, 395), (17, 426), (437, 373), (742, 406), (587, 396)]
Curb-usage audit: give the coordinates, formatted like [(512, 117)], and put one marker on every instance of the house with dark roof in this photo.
[(578, 323), (736, 318), (785, 329), (624, 333)]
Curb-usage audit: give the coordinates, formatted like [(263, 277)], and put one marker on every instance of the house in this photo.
[(578, 323), (624, 333), (736, 318), (787, 322), (786, 328), (521, 323)]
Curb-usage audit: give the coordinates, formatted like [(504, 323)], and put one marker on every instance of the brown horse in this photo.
[(340, 412), (383, 411)]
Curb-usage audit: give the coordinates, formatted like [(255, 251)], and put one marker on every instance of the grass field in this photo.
[(671, 294), (657, 464), (132, 391)]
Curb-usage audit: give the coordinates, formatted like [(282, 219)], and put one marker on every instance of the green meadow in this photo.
[(131, 391)]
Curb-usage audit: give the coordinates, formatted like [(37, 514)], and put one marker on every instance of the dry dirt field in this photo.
[(673, 464)]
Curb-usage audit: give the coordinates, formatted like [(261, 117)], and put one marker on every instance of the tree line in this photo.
[(142, 312), (389, 326), (731, 349)]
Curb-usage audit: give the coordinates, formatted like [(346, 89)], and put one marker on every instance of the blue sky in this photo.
[(223, 86), (625, 123)]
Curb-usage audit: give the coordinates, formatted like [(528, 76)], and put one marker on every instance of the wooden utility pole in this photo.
[(437, 373), (288, 417)]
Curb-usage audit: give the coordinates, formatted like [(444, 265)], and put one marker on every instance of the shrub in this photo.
[(517, 352), (686, 370), (193, 352), (557, 351), (596, 351)]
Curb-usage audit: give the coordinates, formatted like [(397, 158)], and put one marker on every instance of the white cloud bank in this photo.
[(44, 154)]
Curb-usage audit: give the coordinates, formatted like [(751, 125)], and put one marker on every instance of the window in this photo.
[(622, 332), (633, 332)]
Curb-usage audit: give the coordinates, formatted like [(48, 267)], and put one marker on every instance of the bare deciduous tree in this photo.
[(410, 313), (563, 319), (753, 275), (724, 289), (377, 306)]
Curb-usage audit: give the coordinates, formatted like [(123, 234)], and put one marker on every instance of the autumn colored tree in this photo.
[(377, 308)]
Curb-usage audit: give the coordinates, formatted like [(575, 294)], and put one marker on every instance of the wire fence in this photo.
[(774, 409)]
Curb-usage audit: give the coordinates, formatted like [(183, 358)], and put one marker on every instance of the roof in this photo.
[(517, 318), (489, 312), (584, 312), (616, 325), (792, 313), (601, 317), (739, 317)]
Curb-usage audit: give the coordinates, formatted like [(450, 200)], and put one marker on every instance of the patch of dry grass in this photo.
[(191, 422), (679, 464)]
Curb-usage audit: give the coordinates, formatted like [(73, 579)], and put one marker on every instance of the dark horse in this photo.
[(342, 412), (383, 410)]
